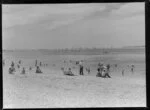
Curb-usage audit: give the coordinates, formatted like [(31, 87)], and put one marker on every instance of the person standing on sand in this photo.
[(35, 62), (88, 70), (23, 71), (81, 67), (132, 69), (123, 72), (40, 63), (38, 70)]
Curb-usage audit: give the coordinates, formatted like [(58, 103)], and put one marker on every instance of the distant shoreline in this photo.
[(83, 51)]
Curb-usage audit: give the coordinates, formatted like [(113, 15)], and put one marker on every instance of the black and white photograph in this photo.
[(73, 55)]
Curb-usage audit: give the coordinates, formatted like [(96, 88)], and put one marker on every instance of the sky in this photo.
[(86, 25)]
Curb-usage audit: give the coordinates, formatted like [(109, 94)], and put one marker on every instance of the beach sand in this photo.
[(53, 89)]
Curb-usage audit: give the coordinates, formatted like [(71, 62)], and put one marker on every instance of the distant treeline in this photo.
[(84, 51)]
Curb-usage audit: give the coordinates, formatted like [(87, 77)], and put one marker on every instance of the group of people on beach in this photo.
[(102, 70), (12, 68)]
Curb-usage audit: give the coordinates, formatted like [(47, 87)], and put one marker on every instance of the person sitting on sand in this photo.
[(105, 72), (99, 69), (108, 67), (69, 72), (30, 68), (23, 71), (18, 66), (38, 70), (12, 64), (10, 71), (19, 61), (88, 70)]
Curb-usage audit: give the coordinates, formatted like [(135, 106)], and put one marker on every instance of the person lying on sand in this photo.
[(38, 70)]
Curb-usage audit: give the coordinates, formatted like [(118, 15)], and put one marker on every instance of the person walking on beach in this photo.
[(81, 67)]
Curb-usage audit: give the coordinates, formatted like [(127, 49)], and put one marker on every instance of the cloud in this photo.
[(129, 9), (54, 12)]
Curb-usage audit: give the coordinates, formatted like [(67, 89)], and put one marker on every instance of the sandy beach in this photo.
[(54, 89)]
